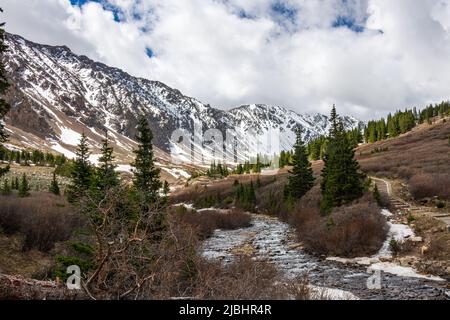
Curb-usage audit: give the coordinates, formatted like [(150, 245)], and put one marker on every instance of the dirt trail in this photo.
[(385, 188)]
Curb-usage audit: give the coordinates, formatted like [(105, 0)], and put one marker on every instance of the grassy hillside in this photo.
[(421, 158)]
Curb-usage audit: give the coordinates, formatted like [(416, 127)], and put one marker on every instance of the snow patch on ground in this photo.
[(318, 293), (124, 168), (188, 206), (93, 158), (398, 232), (395, 269), (69, 136), (59, 148), (386, 213), (177, 173)]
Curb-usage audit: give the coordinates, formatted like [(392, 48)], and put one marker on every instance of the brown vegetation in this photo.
[(42, 219), (206, 221), (420, 157), (352, 230), (429, 185)]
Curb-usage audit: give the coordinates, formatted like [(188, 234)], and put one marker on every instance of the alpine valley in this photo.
[(56, 95)]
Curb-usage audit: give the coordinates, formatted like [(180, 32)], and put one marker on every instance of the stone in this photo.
[(416, 239)]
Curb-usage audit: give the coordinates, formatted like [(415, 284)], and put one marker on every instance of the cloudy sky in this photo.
[(369, 57)]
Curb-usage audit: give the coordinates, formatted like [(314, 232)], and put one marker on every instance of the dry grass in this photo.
[(429, 185), (420, 157), (205, 189), (42, 219), (351, 230), (207, 221)]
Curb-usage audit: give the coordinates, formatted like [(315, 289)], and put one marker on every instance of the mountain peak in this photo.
[(56, 90)]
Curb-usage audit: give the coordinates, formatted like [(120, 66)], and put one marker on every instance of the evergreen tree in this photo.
[(54, 186), (24, 187), (258, 182), (4, 106), (15, 183), (251, 193), (146, 175), (105, 176), (81, 172), (6, 189), (166, 188), (334, 119), (341, 180), (301, 178), (376, 195)]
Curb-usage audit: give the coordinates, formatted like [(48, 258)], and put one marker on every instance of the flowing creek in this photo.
[(274, 241)]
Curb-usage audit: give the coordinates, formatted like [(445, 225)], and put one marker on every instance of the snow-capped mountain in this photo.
[(56, 95)]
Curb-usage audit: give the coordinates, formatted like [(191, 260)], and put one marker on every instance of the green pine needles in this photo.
[(342, 181), (301, 178)]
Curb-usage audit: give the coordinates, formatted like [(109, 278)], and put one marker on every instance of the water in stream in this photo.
[(273, 240)]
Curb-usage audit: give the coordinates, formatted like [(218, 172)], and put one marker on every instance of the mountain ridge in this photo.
[(57, 94)]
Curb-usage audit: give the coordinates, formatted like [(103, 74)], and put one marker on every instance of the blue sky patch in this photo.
[(346, 22), (106, 6), (284, 10), (149, 52)]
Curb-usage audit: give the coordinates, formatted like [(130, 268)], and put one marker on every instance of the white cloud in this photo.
[(230, 52)]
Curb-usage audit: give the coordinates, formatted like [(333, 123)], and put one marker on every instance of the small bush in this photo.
[(394, 246), (205, 222), (430, 185), (354, 230), (245, 279), (440, 205), (39, 219)]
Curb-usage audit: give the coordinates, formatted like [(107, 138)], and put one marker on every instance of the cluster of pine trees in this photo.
[(438, 110), (399, 123), (316, 148), (217, 170), (245, 196), (301, 178), (22, 186), (342, 181), (36, 157), (285, 158), (403, 121), (95, 181), (256, 166)]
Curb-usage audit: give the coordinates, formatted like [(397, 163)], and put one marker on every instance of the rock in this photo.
[(416, 239), (385, 259), (424, 250), (407, 261)]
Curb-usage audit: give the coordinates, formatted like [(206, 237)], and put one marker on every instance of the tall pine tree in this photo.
[(105, 176), (81, 172), (146, 175), (301, 178), (341, 179), (24, 187), (4, 106), (54, 186)]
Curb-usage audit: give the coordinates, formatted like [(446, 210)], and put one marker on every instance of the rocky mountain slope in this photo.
[(56, 95)]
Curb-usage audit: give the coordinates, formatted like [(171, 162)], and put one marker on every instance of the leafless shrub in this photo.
[(207, 221), (423, 152), (352, 230), (430, 185), (246, 279), (438, 248), (43, 220)]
